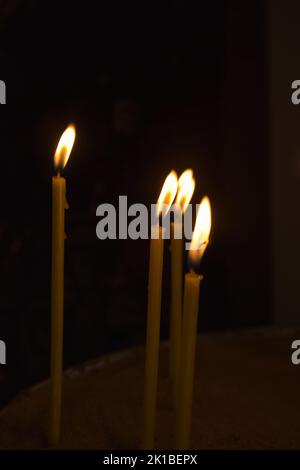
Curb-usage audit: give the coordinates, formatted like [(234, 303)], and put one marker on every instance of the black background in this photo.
[(150, 87)]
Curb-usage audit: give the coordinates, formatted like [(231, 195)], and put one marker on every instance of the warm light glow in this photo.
[(64, 147), (167, 194), (201, 231), (186, 187)]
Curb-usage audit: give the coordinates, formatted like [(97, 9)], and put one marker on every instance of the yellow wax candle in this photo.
[(176, 307), (152, 340), (186, 186), (57, 304), (164, 203), (189, 327), (188, 345), (59, 205)]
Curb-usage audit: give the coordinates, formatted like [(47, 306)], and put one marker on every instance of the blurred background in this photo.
[(151, 87)]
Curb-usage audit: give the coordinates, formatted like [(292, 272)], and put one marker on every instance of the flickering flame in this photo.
[(201, 231), (64, 147), (167, 194), (186, 187)]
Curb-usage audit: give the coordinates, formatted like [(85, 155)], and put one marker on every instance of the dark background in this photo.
[(150, 87)]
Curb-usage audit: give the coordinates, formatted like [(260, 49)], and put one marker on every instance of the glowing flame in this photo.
[(167, 194), (64, 147), (201, 231), (186, 187)]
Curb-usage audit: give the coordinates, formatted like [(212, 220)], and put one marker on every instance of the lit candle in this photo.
[(59, 204), (164, 203), (186, 186), (189, 326)]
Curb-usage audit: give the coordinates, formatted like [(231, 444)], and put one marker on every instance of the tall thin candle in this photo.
[(59, 204), (165, 200), (186, 186), (189, 330)]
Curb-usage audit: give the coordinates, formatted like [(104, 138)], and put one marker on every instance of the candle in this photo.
[(164, 203), (186, 186), (59, 205), (189, 327), (152, 340)]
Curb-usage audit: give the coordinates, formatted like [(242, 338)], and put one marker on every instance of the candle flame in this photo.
[(167, 194), (64, 147), (201, 231), (186, 187)]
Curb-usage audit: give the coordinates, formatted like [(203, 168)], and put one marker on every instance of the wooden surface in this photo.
[(247, 395)]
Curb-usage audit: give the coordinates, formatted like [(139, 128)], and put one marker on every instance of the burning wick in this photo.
[(64, 148)]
